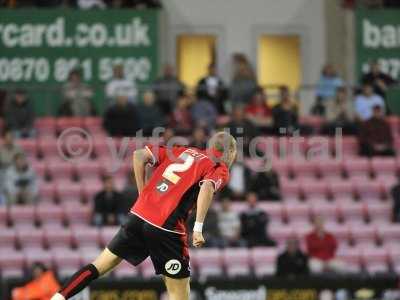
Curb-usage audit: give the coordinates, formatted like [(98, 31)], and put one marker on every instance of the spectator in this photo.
[(77, 97), (168, 137), (395, 192), (229, 225), (375, 136), (42, 286), (121, 86), (204, 114), (150, 114), (266, 185), (121, 118), (328, 83), (239, 182), (365, 102), (107, 204), (199, 138), (321, 248), (258, 112), (377, 79), (340, 115), (130, 194), (244, 82), (21, 186), (285, 117), (168, 89), (254, 223), (19, 115), (212, 88), (181, 119), (292, 262)]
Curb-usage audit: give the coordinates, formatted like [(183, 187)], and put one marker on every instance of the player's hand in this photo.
[(198, 239)]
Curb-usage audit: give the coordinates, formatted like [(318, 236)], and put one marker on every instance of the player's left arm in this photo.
[(141, 157)]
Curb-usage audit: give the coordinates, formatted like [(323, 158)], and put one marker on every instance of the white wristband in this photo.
[(198, 227)]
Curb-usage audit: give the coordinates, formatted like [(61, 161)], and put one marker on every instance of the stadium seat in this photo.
[(351, 257), (67, 262), (107, 233), (68, 122), (357, 167), (268, 145), (380, 212), (29, 146), (22, 215), (293, 147), (48, 147), (8, 238), (330, 168), (280, 234), (86, 237), (274, 211), (394, 258), (236, 261), (352, 212), (60, 169), (365, 235), (389, 233), (40, 168), (263, 260), (328, 211), (314, 189), (318, 148), (126, 270), (47, 192), (281, 166), (50, 214), (368, 190), (58, 239), (302, 169), (3, 217), (12, 264), (88, 255), (29, 237), (77, 214), (297, 212), (341, 189), (46, 126), (347, 146), (88, 169), (384, 167), (340, 231), (69, 192), (208, 262), (290, 189), (93, 123), (375, 260), (38, 255)]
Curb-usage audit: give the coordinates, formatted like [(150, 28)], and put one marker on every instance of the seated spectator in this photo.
[(204, 114), (377, 79), (150, 114), (181, 119), (266, 185), (254, 223), (318, 109), (375, 136), (244, 82), (395, 193), (120, 86), (19, 115), (285, 116), (292, 262), (121, 119), (328, 83), (21, 186), (199, 138), (340, 115), (42, 286), (239, 181), (365, 102), (258, 112), (229, 225), (212, 88), (77, 97), (321, 248), (168, 90), (107, 204)]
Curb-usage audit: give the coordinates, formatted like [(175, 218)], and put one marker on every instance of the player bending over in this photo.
[(183, 177)]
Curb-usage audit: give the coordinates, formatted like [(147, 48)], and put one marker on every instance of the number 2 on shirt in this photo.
[(170, 171)]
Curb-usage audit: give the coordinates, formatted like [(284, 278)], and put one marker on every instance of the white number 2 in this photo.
[(169, 172)]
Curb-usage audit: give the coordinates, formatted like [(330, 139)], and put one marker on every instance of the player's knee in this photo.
[(178, 289)]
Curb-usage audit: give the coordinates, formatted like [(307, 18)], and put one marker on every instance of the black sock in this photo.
[(79, 281)]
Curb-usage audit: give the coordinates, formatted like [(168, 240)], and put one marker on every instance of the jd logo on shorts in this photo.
[(173, 266)]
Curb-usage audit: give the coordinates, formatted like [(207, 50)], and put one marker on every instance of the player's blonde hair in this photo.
[(226, 144)]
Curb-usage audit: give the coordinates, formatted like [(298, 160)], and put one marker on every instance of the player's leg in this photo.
[(177, 288), (104, 263)]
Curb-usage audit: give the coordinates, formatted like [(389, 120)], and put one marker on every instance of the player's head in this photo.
[(226, 144)]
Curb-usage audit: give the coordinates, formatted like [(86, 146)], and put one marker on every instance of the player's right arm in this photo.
[(141, 157)]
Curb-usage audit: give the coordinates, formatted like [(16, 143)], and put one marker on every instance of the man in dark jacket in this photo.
[(379, 80), (150, 114), (266, 185), (121, 118), (292, 262), (19, 115)]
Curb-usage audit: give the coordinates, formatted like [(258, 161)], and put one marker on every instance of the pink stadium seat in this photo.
[(50, 214), (91, 189), (383, 167), (379, 212), (281, 234), (357, 167), (59, 169), (101, 148), (281, 166), (71, 192), (394, 258), (86, 237), (238, 207), (297, 212), (328, 211), (46, 126), (341, 189), (22, 215), (389, 233), (236, 261), (351, 257), (303, 168), (78, 213), (47, 192), (68, 122), (290, 189), (38, 255), (375, 260), (330, 168), (319, 148), (363, 235), (349, 147), (39, 166), (58, 239), (12, 264), (274, 210), (29, 146), (352, 212), (314, 189), (88, 169), (301, 230), (93, 123), (88, 255), (30, 237), (107, 233), (369, 190), (340, 231), (48, 147), (3, 216), (126, 270), (263, 260), (8, 239), (291, 146), (66, 261)]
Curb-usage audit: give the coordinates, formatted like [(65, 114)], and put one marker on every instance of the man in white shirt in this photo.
[(229, 225), (366, 101), (120, 86)]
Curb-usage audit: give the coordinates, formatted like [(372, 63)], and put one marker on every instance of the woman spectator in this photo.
[(181, 119), (244, 82)]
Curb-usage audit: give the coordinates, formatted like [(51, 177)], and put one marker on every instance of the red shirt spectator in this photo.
[(258, 111), (321, 245)]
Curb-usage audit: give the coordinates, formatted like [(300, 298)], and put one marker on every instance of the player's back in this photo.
[(172, 190)]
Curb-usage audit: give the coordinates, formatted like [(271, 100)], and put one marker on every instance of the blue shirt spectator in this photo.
[(328, 83), (366, 101)]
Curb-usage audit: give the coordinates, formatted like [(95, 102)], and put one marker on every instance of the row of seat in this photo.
[(204, 262)]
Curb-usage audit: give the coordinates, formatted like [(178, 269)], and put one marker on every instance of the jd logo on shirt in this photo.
[(173, 266), (162, 187)]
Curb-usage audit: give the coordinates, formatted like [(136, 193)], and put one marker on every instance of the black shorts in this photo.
[(137, 239)]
